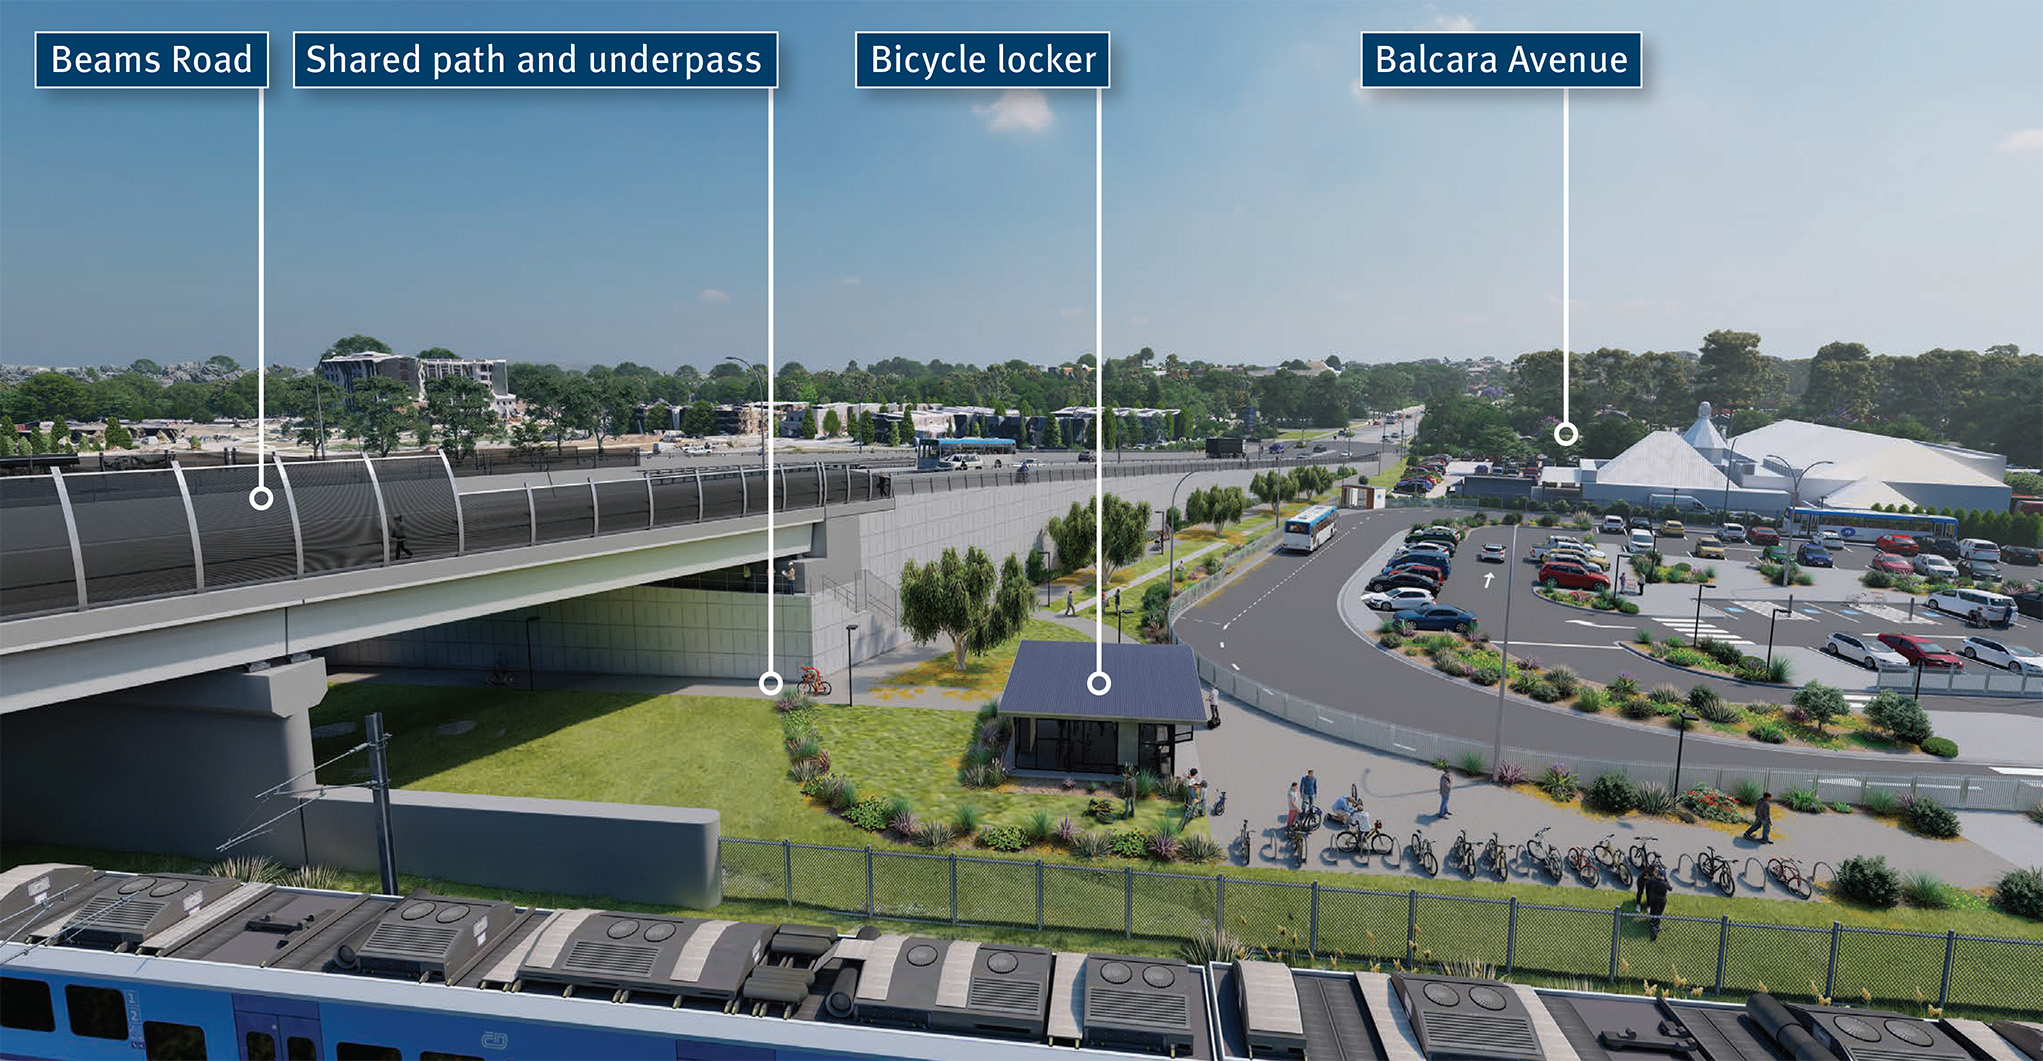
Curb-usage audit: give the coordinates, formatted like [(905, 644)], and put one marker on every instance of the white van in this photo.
[(1642, 540), (1978, 549), (1989, 607)]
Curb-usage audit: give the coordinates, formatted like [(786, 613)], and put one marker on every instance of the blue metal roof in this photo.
[(1151, 683)]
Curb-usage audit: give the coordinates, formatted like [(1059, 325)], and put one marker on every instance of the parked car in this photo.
[(1561, 574), (1932, 565), (1437, 617), (1892, 563), (1732, 532), (1944, 547), (1708, 549), (1428, 545), (1922, 651), (2030, 603), (1978, 549), (1763, 536), (1612, 525), (1402, 580), (1641, 540), (1813, 554), (1898, 544), (1575, 555), (1437, 532), (1776, 553), (1870, 655), (1979, 604), (1829, 537), (1494, 553), (1433, 567), (2019, 555), (2005, 656), (1980, 570), (1641, 523), (1393, 600)]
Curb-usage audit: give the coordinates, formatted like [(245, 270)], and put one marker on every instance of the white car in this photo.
[(1871, 655), (1398, 599), (1436, 548), (2000, 654), (695, 451), (1830, 537), (1732, 532), (1642, 540), (1613, 525)]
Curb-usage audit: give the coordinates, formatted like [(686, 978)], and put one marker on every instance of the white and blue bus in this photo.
[(1856, 525), (1310, 529), (942, 454)]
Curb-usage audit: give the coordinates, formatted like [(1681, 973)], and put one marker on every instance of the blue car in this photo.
[(1437, 617), (1810, 554)]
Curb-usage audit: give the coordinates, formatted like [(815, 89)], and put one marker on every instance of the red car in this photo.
[(1763, 536), (1921, 651), (1572, 576), (1900, 544), (1891, 563)]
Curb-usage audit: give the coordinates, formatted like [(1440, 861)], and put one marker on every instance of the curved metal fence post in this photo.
[(1219, 904), (744, 492), (191, 522), (700, 504), (954, 888), (382, 513), (595, 511), (460, 523), (782, 503), (822, 488), (531, 515), (71, 530), (1039, 895), (868, 880), (649, 502), (291, 503), (1312, 930)]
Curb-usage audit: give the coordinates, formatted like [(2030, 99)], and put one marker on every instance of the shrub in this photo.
[(1673, 641), (933, 834), (869, 814), (1931, 818), (1199, 848), (1925, 890), (1003, 838), (1563, 678), (1039, 827), (1802, 799), (1103, 810), (2020, 892), (1212, 946), (321, 878), (905, 826), (255, 869), (1941, 747), (1719, 711), (968, 818), (1454, 666), (897, 807), (808, 769), (1508, 774), (1655, 799), (1901, 716), (1559, 783), (844, 795), (1751, 670), (1628, 607), (1146, 782), (1624, 686), (1768, 731), (1473, 764), (1524, 681), (1092, 843), (1706, 802), (1163, 845), (1546, 692), (1882, 801), (2035, 813), (793, 700), (1820, 702), (1067, 831), (1748, 791), (1637, 708), (1392, 640), (1876, 580), (1613, 792), (1778, 670), (1486, 675), (1129, 843), (1686, 657), (1590, 699), (1643, 636), (1726, 653), (1838, 806), (1870, 880), (1664, 694)]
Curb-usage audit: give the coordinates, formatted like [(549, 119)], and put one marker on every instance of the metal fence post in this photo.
[(1616, 921), (954, 887), (1128, 900), (1723, 945), (787, 869), (1219, 906), (868, 880), (1411, 921), (1830, 974), (1950, 947), (1312, 930), (1039, 895), (1511, 937)]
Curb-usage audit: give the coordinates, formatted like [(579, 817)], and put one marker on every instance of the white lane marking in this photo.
[(1697, 631), (1236, 666), (2019, 771), (1599, 626), (1316, 554), (1560, 644), (1223, 644)]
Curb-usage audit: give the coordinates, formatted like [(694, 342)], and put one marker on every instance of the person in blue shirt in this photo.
[(1308, 790)]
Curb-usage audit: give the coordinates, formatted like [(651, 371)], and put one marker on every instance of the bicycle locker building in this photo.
[(1145, 720)]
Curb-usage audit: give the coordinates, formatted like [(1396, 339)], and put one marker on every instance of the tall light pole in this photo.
[(849, 629), (764, 421), (1794, 502), (1681, 738), (1504, 654), (1171, 564)]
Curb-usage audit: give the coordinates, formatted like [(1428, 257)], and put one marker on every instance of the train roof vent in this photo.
[(121, 912), (1270, 1013), (1467, 1018), (1140, 1003), (426, 937), (24, 888), (668, 957), (1878, 1035), (953, 985)]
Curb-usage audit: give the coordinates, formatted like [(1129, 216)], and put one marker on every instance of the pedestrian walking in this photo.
[(1762, 819), (398, 550), (1291, 816), (1069, 607), (1655, 886), (1308, 790), (1446, 787)]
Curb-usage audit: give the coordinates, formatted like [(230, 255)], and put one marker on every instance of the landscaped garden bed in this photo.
[(1715, 657)]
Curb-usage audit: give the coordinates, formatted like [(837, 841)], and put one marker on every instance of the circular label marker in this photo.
[(260, 499), (770, 683), (1566, 434), (1099, 683)]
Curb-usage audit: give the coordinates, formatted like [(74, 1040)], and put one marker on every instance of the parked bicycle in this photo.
[(1245, 842), (1497, 855), (1643, 857), (1584, 866), (1788, 871), (1544, 855), (1611, 858), (1354, 840), (501, 676), (1715, 868), (1422, 854), (1462, 855)]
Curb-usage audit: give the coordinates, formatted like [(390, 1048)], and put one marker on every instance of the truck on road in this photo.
[(1223, 447)]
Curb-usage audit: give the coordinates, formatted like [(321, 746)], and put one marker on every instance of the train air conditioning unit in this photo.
[(24, 888), (1852, 1034), (945, 985), (1465, 1019), (1271, 1017), (1147, 1004), (119, 913), (426, 937), (641, 958)]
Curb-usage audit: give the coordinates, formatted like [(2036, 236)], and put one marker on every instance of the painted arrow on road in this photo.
[(1487, 576), (1599, 626)]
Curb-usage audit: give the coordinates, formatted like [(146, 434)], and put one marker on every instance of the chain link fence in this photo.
[(1359, 926)]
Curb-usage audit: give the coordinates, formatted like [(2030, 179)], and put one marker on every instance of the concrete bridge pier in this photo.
[(172, 767)]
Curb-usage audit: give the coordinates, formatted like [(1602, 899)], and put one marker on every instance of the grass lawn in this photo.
[(1390, 475), (984, 674)]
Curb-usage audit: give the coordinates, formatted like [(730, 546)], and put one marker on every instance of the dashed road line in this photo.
[(1316, 554)]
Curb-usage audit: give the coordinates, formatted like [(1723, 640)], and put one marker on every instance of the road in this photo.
[(1280, 625)]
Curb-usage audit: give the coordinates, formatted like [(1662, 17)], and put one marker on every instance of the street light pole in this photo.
[(1680, 739), (1777, 613), (1794, 502), (849, 628), (1118, 619), (1171, 564), (1504, 655), (764, 420)]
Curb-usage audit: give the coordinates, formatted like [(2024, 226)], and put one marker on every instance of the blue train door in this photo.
[(276, 1029)]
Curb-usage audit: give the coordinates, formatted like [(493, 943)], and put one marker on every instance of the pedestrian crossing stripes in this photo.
[(1763, 609), (1697, 631)]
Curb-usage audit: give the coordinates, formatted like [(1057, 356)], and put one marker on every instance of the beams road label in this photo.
[(152, 59)]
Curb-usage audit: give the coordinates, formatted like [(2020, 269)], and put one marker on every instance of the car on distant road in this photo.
[(1437, 617), (2005, 656), (1086, 456), (1562, 574), (1813, 554), (1392, 600), (1891, 563), (2030, 603), (2019, 555), (1494, 553), (1981, 570), (1931, 565), (1641, 540), (1402, 580), (1899, 544), (1732, 532), (1763, 536), (1870, 655), (1612, 525), (1708, 549), (1921, 651), (1672, 528)]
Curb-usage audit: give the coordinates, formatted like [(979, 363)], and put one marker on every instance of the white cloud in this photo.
[(1023, 109), (1076, 311), (2021, 142), (849, 281), (1441, 22), (712, 297)]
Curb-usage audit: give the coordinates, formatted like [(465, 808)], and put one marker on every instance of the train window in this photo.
[(365, 1052), (96, 1012), (164, 1041), (25, 1004), (299, 1048), (435, 1055), (259, 1047)]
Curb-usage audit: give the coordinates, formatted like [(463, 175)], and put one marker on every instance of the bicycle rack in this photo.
[(1749, 863), (1811, 878)]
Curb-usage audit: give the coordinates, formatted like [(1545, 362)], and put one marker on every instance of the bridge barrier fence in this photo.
[(80, 540), (1360, 927), (1847, 783), (942, 481)]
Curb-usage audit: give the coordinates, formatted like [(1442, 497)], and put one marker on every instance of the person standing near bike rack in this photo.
[(1762, 819), (1653, 886), (1291, 818), (1308, 791), (1446, 788)]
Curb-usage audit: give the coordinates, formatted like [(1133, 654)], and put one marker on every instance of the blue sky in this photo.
[(1809, 171)]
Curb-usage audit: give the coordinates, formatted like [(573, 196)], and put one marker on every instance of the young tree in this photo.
[(379, 411), (1073, 535), (964, 599), (1225, 506), (1821, 703), (1053, 436), (1273, 488), (809, 423), (461, 410), (118, 436), (831, 424), (1195, 508), (1126, 531), (1900, 715)]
